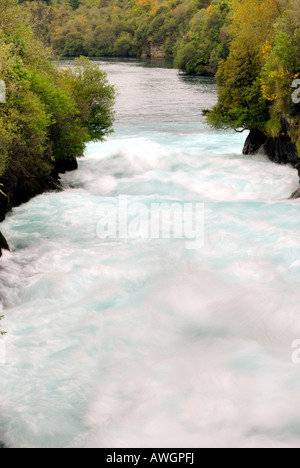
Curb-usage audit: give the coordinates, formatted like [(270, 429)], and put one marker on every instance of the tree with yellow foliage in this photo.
[(255, 82), (241, 104), (281, 68)]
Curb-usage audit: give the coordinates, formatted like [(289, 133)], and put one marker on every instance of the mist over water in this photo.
[(141, 342)]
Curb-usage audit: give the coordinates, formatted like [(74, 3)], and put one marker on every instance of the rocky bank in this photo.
[(21, 190)]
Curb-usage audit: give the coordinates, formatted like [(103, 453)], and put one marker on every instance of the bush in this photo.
[(186, 57), (123, 45), (50, 114)]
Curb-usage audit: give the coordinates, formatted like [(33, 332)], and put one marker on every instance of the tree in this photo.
[(50, 114), (241, 104), (123, 45), (281, 67), (117, 27), (206, 42), (94, 97)]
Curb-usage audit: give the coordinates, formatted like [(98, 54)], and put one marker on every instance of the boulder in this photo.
[(279, 149), (64, 165), (254, 141), (3, 244)]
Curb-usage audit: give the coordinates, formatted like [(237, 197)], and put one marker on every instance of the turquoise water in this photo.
[(143, 342)]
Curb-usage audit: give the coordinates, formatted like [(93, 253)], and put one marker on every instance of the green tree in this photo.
[(135, 28), (186, 58), (281, 67), (241, 104), (123, 45), (50, 114), (94, 98)]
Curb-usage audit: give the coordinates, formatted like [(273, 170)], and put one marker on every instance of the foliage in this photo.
[(251, 46), (241, 103), (282, 67), (93, 96), (207, 41), (136, 28), (44, 120), (256, 80)]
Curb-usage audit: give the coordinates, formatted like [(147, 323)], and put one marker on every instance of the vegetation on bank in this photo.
[(256, 80), (251, 46), (50, 113), (193, 32)]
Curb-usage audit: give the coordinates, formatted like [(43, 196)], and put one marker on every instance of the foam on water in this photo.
[(143, 343)]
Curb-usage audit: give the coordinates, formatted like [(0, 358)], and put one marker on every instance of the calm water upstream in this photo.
[(143, 342)]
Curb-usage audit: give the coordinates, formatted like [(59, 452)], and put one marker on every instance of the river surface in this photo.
[(161, 340)]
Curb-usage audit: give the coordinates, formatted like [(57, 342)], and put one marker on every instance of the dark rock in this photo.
[(20, 189), (280, 149), (254, 141), (3, 244), (295, 194), (297, 166), (63, 166)]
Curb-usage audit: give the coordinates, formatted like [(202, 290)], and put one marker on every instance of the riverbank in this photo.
[(20, 190)]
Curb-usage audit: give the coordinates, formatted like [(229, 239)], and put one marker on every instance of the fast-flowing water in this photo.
[(139, 341)]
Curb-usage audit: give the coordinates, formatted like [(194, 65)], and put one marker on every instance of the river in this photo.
[(120, 336)]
